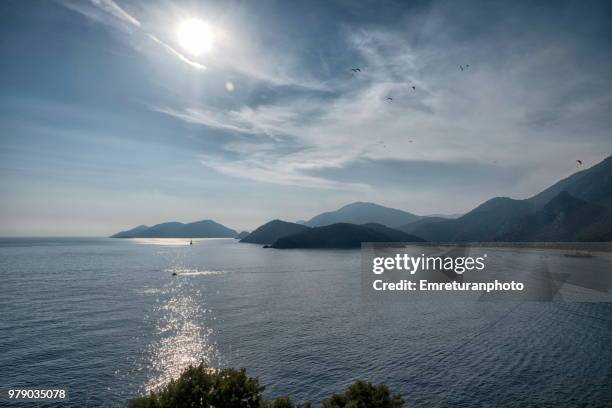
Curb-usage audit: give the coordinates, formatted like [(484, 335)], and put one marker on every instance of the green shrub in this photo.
[(365, 395), (285, 402), (201, 387)]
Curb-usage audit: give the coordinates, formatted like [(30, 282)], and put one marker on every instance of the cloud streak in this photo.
[(112, 8), (253, 61), (112, 13), (177, 54)]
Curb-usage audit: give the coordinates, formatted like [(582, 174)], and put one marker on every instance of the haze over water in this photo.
[(107, 319)]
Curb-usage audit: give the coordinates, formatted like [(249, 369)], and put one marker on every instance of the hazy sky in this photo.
[(107, 121)]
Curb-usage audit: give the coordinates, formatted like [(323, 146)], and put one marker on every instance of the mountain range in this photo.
[(577, 208)]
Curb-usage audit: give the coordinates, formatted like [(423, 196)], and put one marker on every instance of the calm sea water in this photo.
[(107, 319)]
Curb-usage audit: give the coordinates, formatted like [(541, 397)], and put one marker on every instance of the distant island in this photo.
[(199, 229), (577, 208)]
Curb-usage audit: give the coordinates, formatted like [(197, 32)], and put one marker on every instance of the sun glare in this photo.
[(195, 36)]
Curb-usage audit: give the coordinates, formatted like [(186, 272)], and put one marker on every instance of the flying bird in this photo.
[(414, 88), (578, 163), (355, 70), (389, 98), (461, 67)]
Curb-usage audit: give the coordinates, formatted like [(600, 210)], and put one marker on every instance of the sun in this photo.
[(195, 36)]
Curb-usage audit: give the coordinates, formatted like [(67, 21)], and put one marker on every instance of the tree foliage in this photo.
[(201, 387), (365, 395)]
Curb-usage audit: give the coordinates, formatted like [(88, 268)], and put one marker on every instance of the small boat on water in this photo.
[(174, 273), (579, 254)]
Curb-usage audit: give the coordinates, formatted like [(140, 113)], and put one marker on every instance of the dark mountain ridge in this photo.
[(593, 185), (566, 218), (273, 230), (393, 234), (588, 192), (340, 236), (363, 213), (412, 226)]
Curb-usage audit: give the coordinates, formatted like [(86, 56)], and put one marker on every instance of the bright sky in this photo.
[(119, 113)]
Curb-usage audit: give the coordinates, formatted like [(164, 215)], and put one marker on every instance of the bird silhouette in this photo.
[(578, 163), (461, 67), (389, 98), (414, 88), (355, 70)]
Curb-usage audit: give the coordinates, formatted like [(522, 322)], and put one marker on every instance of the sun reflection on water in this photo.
[(193, 272), (171, 241), (182, 337)]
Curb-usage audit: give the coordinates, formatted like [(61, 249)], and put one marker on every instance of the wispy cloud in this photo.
[(177, 54), (216, 120), (112, 8), (110, 13), (262, 169), (277, 122)]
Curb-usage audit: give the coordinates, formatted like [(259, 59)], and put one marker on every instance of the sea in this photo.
[(113, 319)]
